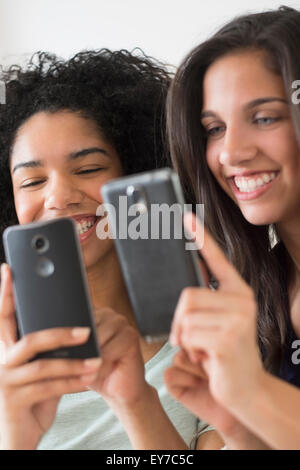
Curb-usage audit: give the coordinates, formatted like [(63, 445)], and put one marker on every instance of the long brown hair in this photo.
[(246, 245)]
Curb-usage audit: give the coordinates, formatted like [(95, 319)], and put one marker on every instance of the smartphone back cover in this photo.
[(50, 287), (155, 270)]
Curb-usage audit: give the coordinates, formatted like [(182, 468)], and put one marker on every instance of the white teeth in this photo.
[(247, 185), (84, 226), (251, 184)]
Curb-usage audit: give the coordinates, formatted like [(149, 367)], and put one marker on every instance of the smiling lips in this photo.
[(248, 184), (252, 186)]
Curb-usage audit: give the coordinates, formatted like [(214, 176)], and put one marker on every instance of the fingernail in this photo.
[(92, 363), (80, 332)]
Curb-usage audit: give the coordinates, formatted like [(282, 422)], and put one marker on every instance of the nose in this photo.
[(238, 147), (61, 193)]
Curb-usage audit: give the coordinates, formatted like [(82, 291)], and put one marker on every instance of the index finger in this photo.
[(8, 323), (45, 340), (218, 264)]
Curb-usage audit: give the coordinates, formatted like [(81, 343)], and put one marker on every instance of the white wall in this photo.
[(166, 29)]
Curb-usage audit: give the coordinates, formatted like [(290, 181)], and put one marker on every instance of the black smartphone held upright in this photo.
[(50, 284), (156, 268)]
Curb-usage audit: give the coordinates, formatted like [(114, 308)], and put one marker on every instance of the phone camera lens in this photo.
[(40, 243)]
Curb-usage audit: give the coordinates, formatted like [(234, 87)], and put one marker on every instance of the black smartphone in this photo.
[(151, 246), (50, 285)]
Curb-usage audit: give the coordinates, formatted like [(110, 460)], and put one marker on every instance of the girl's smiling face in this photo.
[(251, 144), (59, 161)]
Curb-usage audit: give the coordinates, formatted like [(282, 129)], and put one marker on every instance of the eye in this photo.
[(215, 131), (89, 170), (33, 183), (265, 121)]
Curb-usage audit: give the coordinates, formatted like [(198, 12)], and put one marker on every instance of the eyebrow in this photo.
[(249, 105), (71, 156)]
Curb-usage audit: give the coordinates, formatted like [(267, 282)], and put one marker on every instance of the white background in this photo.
[(165, 29)]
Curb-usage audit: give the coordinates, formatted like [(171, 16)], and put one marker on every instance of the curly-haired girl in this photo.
[(67, 128)]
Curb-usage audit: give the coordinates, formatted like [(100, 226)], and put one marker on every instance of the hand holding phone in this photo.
[(156, 268), (30, 390), (50, 286)]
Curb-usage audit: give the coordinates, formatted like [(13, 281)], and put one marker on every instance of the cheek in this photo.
[(283, 149), (93, 192), (212, 161), (26, 207), (289, 158), (92, 189)]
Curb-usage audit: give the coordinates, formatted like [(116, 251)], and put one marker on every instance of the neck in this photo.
[(107, 287)]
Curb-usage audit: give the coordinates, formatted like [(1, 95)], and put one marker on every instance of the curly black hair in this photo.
[(123, 92)]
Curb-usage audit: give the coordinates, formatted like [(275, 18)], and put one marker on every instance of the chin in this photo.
[(93, 255), (256, 217)]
